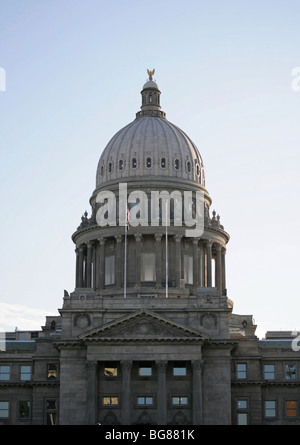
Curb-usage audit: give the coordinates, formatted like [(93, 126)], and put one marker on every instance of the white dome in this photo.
[(150, 147)]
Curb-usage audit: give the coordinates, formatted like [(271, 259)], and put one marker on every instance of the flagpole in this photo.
[(167, 278), (125, 252)]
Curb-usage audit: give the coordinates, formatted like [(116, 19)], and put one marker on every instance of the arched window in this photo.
[(150, 97), (101, 170), (121, 164), (148, 162), (176, 164), (163, 162), (110, 167), (134, 163)]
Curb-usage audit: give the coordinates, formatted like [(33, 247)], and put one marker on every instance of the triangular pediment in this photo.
[(143, 325)]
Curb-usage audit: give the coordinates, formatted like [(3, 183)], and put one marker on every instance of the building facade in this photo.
[(148, 336)]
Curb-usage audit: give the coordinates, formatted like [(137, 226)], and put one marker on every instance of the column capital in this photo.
[(177, 238), (196, 241), (161, 365), (102, 240), (126, 364), (91, 364), (158, 237), (118, 238), (218, 247), (197, 365), (138, 237)]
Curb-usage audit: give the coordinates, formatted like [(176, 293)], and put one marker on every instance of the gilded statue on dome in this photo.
[(150, 73)]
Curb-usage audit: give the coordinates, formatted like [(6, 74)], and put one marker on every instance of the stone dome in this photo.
[(150, 147)]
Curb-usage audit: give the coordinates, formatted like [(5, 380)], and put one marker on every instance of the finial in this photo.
[(150, 73)]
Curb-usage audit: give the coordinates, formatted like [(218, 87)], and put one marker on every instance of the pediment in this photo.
[(143, 325)]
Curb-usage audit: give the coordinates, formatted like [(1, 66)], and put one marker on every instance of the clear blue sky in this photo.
[(74, 72)]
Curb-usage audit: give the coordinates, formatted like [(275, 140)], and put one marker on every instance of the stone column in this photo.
[(223, 271), (94, 263), (208, 265), (158, 259), (218, 268), (138, 240), (161, 393), (77, 268), (178, 259), (202, 270), (92, 392), (126, 392), (89, 264), (119, 269), (80, 268), (101, 264), (195, 263), (197, 391)]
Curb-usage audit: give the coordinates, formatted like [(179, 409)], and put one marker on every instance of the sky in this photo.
[(74, 70)]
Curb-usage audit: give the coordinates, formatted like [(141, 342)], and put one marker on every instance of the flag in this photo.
[(127, 219)]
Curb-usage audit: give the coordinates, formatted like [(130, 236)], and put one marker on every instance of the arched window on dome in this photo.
[(148, 162), (101, 170), (134, 163), (150, 97), (121, 164), (188, 166), (163, 162), (197, 170), (176, 164), (110, 167)]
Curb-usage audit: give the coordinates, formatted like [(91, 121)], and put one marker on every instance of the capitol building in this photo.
[(149, 334)]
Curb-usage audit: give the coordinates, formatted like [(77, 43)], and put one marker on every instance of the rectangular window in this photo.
[(51, 412), (291, 408), (270, 408), (148, 272), (242, 413), (145, 401), (145, 371), (110, 370), (269, 372), (241, 370), (109, 270), (51, 371), (242, 419), (242, 404), (110, 401), (4, 410), (4, 372), (188, 269), (179, 370), (25, 372), (290, 372), (179, 400), (24, 409)]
